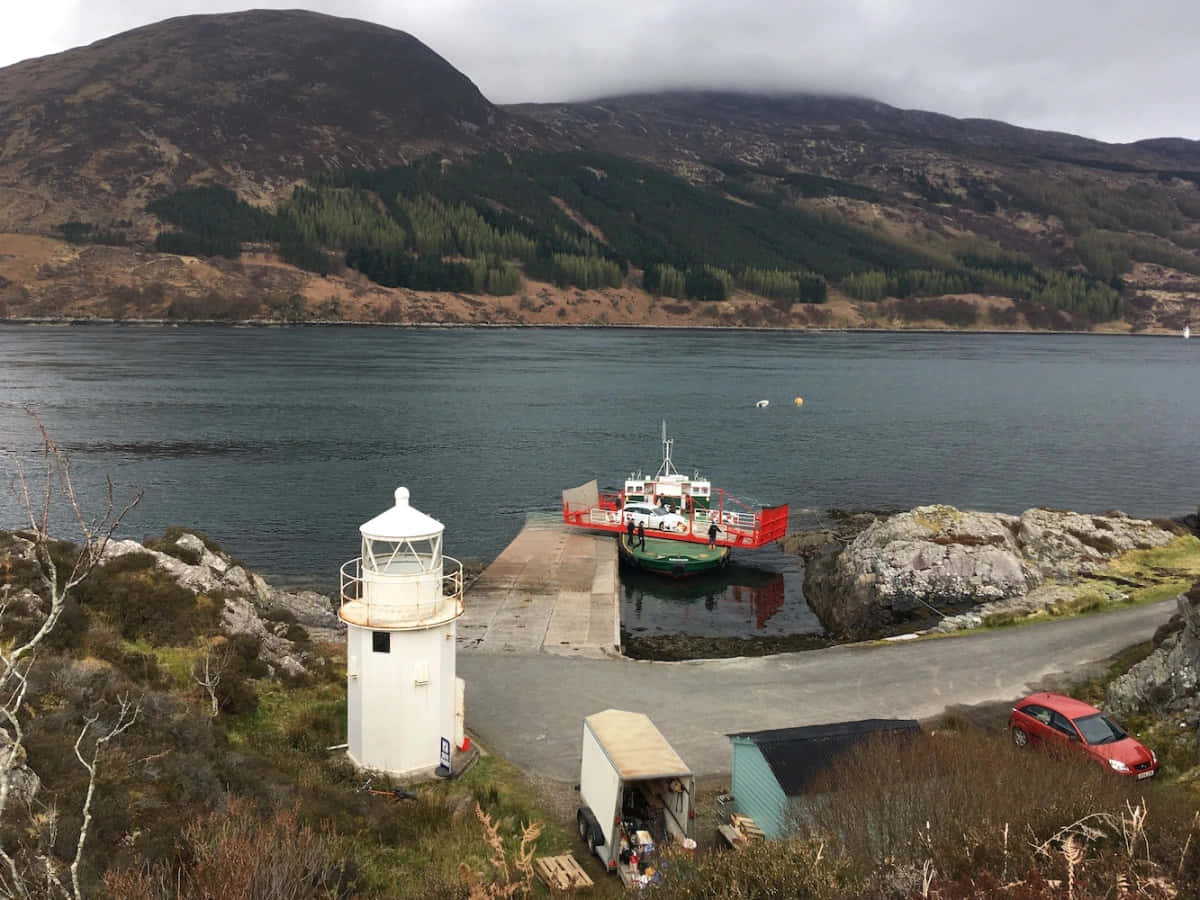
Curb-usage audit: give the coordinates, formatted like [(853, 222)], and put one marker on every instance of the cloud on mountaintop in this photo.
[(1114, 70)]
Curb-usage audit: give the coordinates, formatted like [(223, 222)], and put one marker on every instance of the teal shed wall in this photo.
[(756, 793)]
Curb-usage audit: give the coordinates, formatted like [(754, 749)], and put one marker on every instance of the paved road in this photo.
[(530, 708)]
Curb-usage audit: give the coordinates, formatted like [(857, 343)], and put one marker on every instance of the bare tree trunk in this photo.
[(208, 674), (127, 716)]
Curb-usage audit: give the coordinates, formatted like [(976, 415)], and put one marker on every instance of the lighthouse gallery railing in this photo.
[(399, 615)]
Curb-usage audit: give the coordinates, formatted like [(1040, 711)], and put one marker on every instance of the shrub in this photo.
[(1004, 316), (1079, 603), (951, 797), (238, 852), (167, 544), (295, 632), (104, 642), (791, 868), (235, 693), (952, 311), (142, 601), (318, 726)]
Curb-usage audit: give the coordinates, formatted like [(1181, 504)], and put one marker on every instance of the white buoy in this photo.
[(799, 401), (400, 603), (763, 404)]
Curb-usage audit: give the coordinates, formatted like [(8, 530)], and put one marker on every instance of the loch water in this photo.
[(278, 442)]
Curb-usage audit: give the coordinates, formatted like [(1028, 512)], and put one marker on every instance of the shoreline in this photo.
[(84, 321)]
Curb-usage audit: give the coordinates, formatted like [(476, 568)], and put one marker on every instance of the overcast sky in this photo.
[(1117, 70)]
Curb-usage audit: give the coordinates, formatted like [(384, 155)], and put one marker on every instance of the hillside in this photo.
[(421, 201), (255, 100)]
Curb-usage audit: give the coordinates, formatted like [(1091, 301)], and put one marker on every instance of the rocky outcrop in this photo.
[(251, 605), (23, 782), (916, 564), (1169, 678)]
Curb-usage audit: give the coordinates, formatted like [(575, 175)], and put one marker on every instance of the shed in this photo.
[(772, 770)]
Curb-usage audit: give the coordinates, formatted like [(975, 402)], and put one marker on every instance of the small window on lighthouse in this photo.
[(381, 641)]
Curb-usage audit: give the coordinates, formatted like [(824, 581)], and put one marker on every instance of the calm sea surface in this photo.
[(279, 442)]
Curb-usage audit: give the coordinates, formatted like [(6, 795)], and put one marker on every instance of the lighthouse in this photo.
[(400, 600)]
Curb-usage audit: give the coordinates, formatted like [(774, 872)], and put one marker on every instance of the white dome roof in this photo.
[(401, 521)]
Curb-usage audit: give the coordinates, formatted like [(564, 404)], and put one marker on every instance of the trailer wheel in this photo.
[(589, 828)]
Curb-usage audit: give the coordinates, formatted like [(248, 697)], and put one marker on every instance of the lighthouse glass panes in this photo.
[(410, 556)]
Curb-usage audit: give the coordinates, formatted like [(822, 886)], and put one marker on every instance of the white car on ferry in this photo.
[(653, 518)]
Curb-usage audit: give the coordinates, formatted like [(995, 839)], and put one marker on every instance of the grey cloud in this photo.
[(1114, 70)]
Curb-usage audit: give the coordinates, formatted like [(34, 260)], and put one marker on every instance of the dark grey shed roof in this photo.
[(797, 755)]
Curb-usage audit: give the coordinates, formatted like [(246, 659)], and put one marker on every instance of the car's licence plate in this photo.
[(1142, 775)]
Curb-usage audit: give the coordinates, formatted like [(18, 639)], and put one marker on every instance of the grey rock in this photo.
[(1169, 678), (310, 609), (23, 782), (1059, 543), (191, 544), (916, 564), (240, 616), (234, 579), (248, 598), (24, 602)]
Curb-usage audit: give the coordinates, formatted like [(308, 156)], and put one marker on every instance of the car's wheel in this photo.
[(584, 829), (1020, 738)]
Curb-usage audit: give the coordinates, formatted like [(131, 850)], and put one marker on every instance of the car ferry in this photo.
[(672, 523)]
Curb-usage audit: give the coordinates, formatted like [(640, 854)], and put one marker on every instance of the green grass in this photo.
[(175, 661), (282, 710), (1180, 557), (406, 849), (1165, 590), (1160, 574)]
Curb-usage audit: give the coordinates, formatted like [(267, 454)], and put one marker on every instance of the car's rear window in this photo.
[(1099, 729)]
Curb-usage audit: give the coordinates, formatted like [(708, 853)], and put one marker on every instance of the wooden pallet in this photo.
[(732, 836), (747, 826), (562, 873)]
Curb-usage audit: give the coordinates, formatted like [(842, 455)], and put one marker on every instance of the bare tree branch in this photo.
[(17, 656), (128, 714), (208, 673)]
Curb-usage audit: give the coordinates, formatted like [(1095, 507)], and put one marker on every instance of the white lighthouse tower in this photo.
[(400, 600)]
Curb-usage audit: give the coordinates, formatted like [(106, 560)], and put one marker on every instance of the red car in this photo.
[(1057, 720)]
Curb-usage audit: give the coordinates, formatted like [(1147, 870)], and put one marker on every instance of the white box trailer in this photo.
[(630, 777)]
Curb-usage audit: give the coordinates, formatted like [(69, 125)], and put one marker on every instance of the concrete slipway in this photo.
[(536, 650), (552, 590)]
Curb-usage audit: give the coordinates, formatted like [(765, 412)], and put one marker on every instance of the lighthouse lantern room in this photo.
[(400, 601)]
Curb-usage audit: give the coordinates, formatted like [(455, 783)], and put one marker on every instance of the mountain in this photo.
[(781, 128), (255, 100), (419, 199)]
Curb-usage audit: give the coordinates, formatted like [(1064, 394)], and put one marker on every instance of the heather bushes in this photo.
[(963, 814), (974, 805), (239, 852), (794, 869), (954, 312), (143, 601)]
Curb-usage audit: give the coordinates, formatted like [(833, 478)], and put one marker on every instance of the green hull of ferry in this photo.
[(675, 558)]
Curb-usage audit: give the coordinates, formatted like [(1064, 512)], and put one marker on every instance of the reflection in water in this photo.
[(737, 601)]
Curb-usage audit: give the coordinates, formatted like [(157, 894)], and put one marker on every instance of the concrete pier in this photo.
[(553, 590)]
